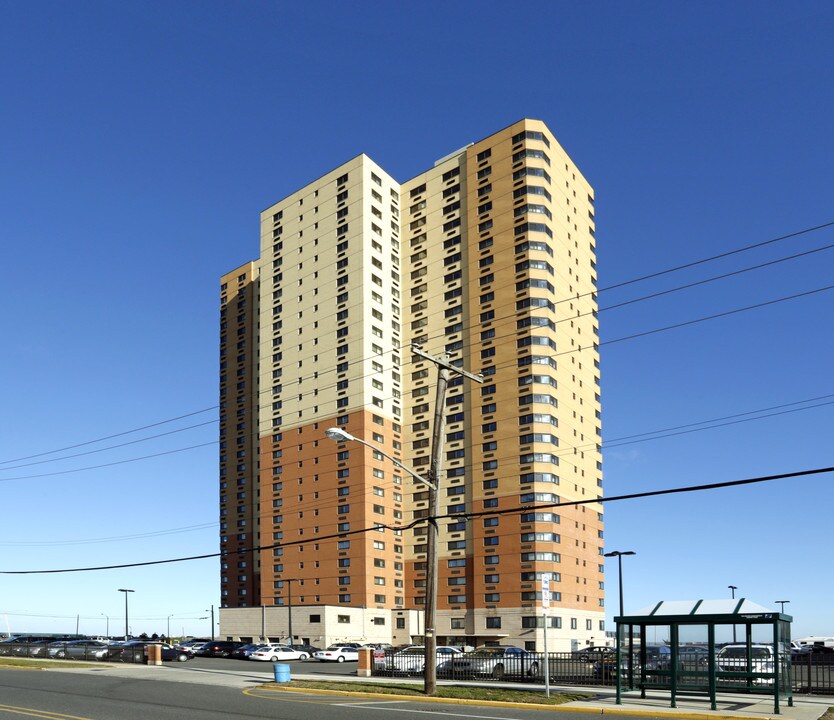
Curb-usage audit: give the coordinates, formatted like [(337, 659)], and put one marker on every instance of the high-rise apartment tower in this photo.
[(488, 257)]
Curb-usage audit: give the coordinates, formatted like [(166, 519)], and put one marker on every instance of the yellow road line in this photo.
[(34, 712)]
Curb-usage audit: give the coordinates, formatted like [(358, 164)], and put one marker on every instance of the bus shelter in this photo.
[(702, 647)]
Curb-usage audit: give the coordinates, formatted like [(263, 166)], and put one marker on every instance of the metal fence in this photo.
[(70, 650), (811, 674)]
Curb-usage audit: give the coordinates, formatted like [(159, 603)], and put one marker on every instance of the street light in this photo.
[(341, 436), (619, 555), (107, 633), (168, 637), (126, 591), (733, 589), (212, 621), (430, 637), (782, 603)]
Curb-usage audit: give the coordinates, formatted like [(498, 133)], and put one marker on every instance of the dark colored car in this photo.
[(137, 652), (593, 653), (691, 656), (306, 648), (815, 655), (658, 657), (27, 645), (242, 653), (219, 648)]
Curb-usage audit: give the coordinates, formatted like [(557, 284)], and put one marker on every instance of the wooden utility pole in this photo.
[(444, 368)]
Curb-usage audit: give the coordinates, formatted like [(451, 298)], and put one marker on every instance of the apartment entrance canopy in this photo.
[(703, 646)]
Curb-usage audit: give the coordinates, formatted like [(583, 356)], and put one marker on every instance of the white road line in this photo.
[(365, 702), (432, 712)]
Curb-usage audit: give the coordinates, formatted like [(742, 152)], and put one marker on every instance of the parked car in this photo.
[(27, 645), (273, 652), (819, 650), (734, 658), (305, 647), (219, 648), (190, 645), (815, 655), (413, 659), (337, 653), (592, 653), (658, 657), (242, 653), (693, 655), (136, 651), (79, 650), (496, 661)]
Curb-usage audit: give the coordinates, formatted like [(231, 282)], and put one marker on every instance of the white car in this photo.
[(337, 653), (413, 659), (735, 659), (273, 652)]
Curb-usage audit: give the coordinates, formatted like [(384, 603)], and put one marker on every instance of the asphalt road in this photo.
[(97, 695)]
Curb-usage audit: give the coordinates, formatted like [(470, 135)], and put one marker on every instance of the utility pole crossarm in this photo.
[(442, 362)]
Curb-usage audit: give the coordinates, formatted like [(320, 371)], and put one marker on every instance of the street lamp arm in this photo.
[(339, 435)]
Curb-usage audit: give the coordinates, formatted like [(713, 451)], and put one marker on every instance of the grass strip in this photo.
[(443, 691)]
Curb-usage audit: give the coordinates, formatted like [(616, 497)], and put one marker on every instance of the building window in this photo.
[(493, 623)]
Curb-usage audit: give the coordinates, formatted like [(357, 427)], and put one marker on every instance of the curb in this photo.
[(565, 707)]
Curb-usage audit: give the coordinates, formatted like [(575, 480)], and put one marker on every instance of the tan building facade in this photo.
[(488, 257)]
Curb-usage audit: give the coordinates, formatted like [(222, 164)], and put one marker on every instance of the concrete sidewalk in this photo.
[(602, 700)]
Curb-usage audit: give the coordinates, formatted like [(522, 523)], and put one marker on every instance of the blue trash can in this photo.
[(282, 672)]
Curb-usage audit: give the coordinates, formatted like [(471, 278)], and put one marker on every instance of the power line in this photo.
[(709, 317), (690, 427), (112, 447), (610, 287), (117, 538), (110, 437), (408, 526), (110, 464), (723, 276), (717, 257)]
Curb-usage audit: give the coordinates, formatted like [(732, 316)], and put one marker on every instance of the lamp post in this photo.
[(782, 603), (430, 641), (212, 621), (126, 591), (619, 555), (733, 589), (168, 636), (107, 631)]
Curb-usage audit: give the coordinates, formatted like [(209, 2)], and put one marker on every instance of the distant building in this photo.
[(488, 256)]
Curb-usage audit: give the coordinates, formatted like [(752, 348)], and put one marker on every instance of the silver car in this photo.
[(80, 650), (413, 659), (494, 661)]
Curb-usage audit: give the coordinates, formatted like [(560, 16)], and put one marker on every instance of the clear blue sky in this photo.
[(141, 140)]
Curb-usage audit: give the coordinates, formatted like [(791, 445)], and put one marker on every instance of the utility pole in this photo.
[(444, 368), (289, 609)]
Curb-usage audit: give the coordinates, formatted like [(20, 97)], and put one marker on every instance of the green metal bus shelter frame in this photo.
[(739, 613)]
